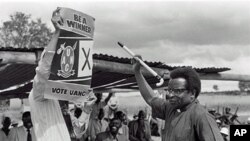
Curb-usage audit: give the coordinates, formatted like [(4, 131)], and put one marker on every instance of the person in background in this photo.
[(4, 132), (248, 121), (139, 130), (225, 133), (185, 118), (24, 132), (99, 104), (212, 111), (99, 125), (112, 107), (80, 118), (67, 118), (154, 127), (123, 131), (112, 133), (227, 116), (135, 117), (218, 121)]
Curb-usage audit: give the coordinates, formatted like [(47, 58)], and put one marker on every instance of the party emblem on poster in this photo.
[(67, 60)]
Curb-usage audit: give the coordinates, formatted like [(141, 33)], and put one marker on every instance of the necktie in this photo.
[(29, 135)]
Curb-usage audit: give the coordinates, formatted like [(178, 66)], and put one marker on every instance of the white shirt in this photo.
[(46, 115), (3, 136), (80, 124), (20, 134)]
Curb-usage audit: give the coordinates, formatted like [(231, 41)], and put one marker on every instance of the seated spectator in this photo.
[(112, 133), (4, 132)]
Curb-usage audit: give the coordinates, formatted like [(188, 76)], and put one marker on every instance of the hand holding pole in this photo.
[(161, 80)]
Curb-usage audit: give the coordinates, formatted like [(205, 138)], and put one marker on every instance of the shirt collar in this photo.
[(187, 106), (111, 136), (26, 128), (120, 131)]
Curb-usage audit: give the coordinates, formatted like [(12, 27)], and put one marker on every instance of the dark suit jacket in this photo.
[(133, 127)]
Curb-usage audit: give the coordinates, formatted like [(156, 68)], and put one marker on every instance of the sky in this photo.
[(190, 33)]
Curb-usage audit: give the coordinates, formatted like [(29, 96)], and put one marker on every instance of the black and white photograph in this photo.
[(124, 70)]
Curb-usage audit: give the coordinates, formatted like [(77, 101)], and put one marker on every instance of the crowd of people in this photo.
[(105, 122), (225, 119), (24, 132), (108, 120)]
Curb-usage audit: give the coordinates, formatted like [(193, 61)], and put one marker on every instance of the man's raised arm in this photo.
[(146, 91), (44, 65)]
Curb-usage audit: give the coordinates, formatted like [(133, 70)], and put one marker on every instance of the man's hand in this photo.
[(110, 94), (88, 104), (56, 19), (136, 64)]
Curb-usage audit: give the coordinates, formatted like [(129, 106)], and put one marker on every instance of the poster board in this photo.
[(71, 69)]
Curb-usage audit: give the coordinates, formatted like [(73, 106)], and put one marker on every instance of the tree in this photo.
[(244, 86), (215, 87), (23, 32)]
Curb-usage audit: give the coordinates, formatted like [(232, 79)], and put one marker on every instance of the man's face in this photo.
[(6, 122), (178, 95), (64, 110), (141, 116), (114, 126), (27, 122), (227, 110)]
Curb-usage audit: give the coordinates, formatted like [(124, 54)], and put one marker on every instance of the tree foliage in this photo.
[(215, 87), (244, 86), (23, 32)]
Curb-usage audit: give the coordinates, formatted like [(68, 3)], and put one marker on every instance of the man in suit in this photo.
[(24, 132), (139, 130)]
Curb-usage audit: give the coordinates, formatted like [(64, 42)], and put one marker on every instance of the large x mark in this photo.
[(87, 61)]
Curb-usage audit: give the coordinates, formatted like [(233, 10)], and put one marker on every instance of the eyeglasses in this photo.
[(176, 91)]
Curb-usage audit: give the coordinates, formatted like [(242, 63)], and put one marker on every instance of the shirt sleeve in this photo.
[(42, 75), (12, 134), (83, 122), (159, 107), (207, 129)]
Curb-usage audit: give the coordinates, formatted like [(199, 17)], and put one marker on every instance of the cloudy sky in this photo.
[(195, 33)]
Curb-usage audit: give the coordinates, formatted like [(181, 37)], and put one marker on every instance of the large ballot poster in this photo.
[(71, 69)]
